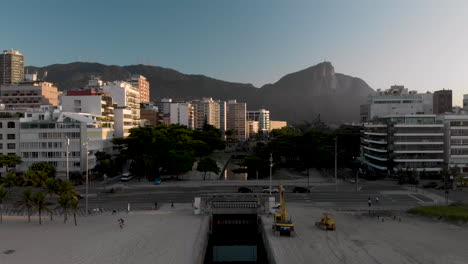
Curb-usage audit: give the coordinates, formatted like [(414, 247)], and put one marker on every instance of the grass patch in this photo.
[(457, 212)]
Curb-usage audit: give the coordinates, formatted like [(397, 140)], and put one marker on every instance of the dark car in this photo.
[(244, 190), (300, 190), (431, 185), (79, 196)]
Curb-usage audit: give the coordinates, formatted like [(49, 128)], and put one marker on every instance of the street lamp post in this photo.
[(271, 168), (336, 164), (68, 153), (87, 176)]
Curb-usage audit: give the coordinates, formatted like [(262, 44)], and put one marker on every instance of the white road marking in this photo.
[(416, 198)]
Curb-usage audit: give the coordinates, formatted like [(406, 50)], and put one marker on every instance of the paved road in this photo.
[(344, 196), (327, 196)]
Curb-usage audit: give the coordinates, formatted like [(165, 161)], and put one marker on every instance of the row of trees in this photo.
[(305, 146), (40, 177), (169, 150)]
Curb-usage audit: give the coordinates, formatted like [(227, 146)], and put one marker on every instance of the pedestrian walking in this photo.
[(172, 204), (121, 222), (369, 202), (155, 205), (376, 200)]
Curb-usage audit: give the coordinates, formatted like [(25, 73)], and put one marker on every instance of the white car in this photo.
[(273, 190), (126, 177)]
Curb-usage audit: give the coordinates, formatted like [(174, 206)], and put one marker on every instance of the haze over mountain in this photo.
[(297, 97)]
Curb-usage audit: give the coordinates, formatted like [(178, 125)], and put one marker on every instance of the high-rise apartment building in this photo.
[(126, 97), (236, 119), (181, 114), (396, 101), (11, 67), (43, 138), (442, 101), (206, 111), (91, 102), (415, 142), (31, 94), (263, 118), (143, 87)]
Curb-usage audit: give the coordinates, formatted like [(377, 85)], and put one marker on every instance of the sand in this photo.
[(163, 236), (363, 239)]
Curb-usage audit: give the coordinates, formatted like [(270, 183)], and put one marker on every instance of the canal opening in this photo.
[(235, 238)]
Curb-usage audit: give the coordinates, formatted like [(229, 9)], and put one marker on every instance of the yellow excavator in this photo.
[(327, 222), (282, 225)]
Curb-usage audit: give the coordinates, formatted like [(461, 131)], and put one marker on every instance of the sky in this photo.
[(422, 44)]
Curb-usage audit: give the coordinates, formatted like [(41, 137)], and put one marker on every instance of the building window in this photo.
[(1, 146), (1, 124), (11, 146), (1, 136), (11, 136)]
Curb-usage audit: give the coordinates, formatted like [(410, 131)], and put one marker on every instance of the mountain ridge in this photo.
[(295, 97)]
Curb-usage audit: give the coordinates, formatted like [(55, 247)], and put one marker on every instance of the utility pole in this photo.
[(68, 152), (336, 164), (87, 176), (271, 169)]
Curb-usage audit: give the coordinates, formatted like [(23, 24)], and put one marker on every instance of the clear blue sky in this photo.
[(422, 44)]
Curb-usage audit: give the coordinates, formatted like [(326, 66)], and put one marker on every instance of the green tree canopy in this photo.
[(207, 165)]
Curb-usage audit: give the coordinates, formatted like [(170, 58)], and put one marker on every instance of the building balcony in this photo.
[(419, 143), (419, 160), (419, 125), (375, 125), (375, 157), (375, 134), (419, 151), (375, 165), (376, 150), (459, 146), (419, 134), (376, 141)]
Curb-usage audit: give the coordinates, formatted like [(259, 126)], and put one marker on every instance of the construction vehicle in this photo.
[(326, 223), (282, 225)]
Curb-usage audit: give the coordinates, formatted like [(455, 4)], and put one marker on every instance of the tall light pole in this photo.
[(85, 144), (271, 169), (336, 164), (68, 153)]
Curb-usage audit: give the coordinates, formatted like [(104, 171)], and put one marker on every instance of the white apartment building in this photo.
[(263, 118), (125, 96), (457, 141), (91, 102), (206, 111), (415, 142), (396, 101), (44, 134), (9, 137), (181, 114)]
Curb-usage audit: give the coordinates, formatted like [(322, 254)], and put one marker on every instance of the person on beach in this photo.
[(121, 223)]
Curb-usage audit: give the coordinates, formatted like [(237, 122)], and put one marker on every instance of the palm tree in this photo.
[(51, 188), (3, 197), (66, 188), (40, 204), (27, 202), (10, 180), (64, 204), (74, 208)]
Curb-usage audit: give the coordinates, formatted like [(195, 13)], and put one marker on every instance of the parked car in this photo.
[(244, 190), (79, 196), (273, 190), (299, 189), (431, 185), (126, 177)]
